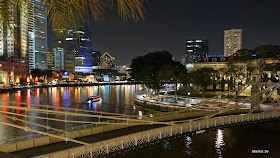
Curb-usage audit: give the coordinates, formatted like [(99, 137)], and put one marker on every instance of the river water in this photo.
[(115, 99), (233, 142)]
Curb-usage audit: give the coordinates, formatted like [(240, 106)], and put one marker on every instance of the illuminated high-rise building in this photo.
[(50, 59), (232, 41), (96, 58), (196, 50), (14, 42), (37, 32), (77, 51)]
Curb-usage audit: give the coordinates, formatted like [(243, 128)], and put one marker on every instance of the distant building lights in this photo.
[(69, 39), (214, 56), (83, 69)]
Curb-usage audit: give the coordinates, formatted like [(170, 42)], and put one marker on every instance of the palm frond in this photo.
[(67, 15), (130, 9)]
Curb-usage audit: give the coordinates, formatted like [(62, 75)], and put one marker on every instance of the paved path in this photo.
[(89, 139), (7, 155)]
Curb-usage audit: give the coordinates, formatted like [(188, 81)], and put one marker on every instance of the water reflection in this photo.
[(166, 145), (188, 144), (115, 99), (219, 143)]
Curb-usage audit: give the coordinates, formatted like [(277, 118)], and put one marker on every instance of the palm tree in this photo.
[(68, 14)]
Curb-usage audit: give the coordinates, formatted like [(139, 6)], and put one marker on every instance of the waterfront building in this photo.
[(107, 61), (125, 70), (196, 50), (214, 61), (50, 59), (12, 53), (37, 36), (232, 41), (7, 69)]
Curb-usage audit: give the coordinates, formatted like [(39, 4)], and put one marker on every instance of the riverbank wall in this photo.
[(14, 89)]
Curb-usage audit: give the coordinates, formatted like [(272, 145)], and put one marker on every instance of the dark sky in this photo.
[(169, 22)]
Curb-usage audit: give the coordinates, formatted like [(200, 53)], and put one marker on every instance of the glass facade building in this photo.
[(96, 58), (37, 36), (77, 49), (196, 50)]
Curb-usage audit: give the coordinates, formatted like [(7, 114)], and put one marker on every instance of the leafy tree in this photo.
[(48, 73), (243, 55), (222, 84), (36, 73), (145, 68), (148, 76), (263, 51), (267, 51), (174, 74), (203, 78)]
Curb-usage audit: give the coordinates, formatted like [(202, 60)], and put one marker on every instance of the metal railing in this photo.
[(157, 134), (35, 136)]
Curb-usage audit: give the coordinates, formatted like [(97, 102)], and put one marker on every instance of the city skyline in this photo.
[(168, 24)]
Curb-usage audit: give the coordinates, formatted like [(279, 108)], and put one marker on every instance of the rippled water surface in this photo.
[(233, 142), (115, 99)]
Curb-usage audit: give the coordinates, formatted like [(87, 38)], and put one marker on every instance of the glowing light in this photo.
[(4, 80), (36, 79), (27, 79), (17, 80)]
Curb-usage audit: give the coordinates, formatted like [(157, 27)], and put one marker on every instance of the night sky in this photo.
[(169, 22)]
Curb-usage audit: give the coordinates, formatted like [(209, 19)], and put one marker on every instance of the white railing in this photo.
[(157, 134), (35, 136)]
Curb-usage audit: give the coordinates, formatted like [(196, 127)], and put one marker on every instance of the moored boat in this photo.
[(94, 98)]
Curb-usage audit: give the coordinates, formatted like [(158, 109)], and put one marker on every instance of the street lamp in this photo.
[(188, 96)]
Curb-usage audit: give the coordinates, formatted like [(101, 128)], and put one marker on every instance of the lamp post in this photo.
[(188, 97)]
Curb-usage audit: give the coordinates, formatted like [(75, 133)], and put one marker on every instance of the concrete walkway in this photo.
[(7, 155), (189, 101), (89, 139)]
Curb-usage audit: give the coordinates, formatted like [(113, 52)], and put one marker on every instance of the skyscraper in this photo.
[(96, 58), (77, 51), (37, 36), (232, 41), (59, 59), (50, 59), (64, 59), (196, 49), (14, 42)]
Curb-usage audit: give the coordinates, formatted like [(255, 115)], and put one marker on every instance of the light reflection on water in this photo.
[(115, 99), (219, 143), (188, 146)]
